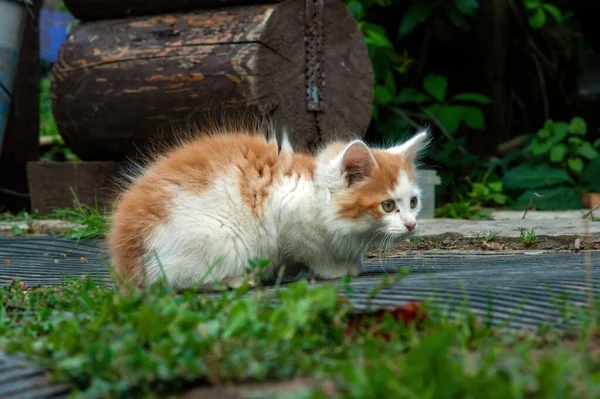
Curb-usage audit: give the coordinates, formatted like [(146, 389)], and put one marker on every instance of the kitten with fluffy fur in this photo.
[(204, 209)]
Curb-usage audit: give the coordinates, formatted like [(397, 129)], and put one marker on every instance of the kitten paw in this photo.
[(236, 282)]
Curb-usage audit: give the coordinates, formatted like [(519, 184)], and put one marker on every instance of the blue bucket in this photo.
[(12, 21), (54, 28)]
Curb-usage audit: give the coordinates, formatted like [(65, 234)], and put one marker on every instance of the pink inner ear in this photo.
[(357, 163)]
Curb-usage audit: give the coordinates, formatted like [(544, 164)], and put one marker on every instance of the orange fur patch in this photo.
[(366, 197)]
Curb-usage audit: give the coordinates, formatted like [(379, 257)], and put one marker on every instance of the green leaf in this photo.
[(472, 97), (589, 177), (468, 7), (575, 164), (597, 143), (575, 140), (436, 86), (559, 130), (543, 133), (239, 316), (449, 117), (558, 153), (413, 16), (555, 198), (587, 150), (382, 94), (499, 199), (528, 176), (531, 4), (554, 11), (376, 36), (537, 19), (390, 83), (538, 147), (375, 113), (356, 9), (457, 18), (578, 126), (474, 117), (496, 186), (412, 96)]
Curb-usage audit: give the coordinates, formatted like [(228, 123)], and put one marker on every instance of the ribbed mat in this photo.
[(516, 289), (24, 380)]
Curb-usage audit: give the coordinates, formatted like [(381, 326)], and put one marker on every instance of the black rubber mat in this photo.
[(23, 380), (513, 289)]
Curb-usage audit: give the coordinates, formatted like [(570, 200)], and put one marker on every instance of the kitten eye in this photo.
[(388, 205), (413, 202)]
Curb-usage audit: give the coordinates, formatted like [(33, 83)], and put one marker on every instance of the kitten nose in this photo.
[(410, 226)]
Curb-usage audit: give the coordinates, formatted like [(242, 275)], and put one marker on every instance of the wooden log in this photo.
[(50, 184), (119, 83), (93, 10)]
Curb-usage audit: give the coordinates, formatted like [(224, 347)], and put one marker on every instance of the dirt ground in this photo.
[(453, 241)]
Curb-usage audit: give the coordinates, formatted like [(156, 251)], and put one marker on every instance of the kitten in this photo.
[(203, 210)]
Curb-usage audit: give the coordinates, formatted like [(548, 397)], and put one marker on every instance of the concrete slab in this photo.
[(507, 223)]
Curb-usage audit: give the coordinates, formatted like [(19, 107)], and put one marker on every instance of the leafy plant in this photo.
[(527, 236), (560, 166), (462, 210), (456, 12), (539, 11), (488, 193), (433, 104)]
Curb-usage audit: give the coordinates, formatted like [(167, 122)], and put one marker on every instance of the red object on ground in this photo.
[(409, 312)]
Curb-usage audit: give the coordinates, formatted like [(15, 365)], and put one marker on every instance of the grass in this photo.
[(91, 221), (157, 342), (527, 236), (489, 236)]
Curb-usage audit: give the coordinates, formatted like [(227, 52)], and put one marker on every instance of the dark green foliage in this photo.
[(557, 167), (156, 342)]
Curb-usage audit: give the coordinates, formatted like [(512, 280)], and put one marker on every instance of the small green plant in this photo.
[(527, 236), (462, 210), (490, 236), (91, 220), (486, 192), (559, 166)]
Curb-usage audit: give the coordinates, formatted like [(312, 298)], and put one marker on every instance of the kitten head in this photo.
[(371, 191)]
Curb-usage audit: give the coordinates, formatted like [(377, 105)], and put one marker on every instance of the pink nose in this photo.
[(410, 226)]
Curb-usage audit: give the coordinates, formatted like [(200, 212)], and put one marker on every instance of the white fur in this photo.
[(212, 236)]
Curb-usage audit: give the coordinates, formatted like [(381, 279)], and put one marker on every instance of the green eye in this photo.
[(388, 205), (413, 202)]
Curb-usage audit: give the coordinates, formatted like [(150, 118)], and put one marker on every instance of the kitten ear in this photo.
[(411, 149), (356, 162)]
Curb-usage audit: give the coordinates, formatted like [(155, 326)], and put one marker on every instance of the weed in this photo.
[(527, 236), (490, 236), (92, 223)]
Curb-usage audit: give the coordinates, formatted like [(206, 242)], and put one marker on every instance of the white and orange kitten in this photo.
[(203, 210)]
